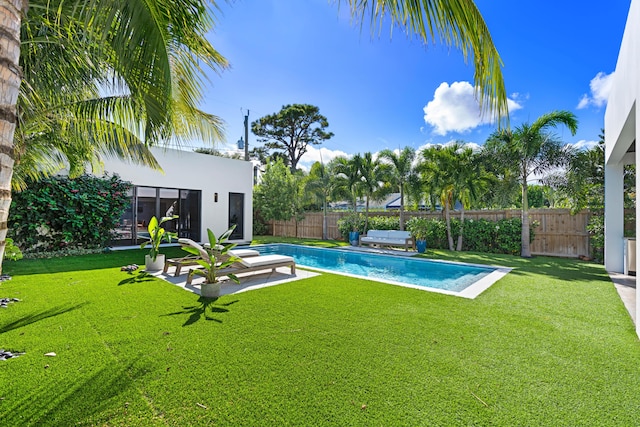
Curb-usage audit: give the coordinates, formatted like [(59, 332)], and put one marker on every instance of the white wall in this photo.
[(195, 171), (620, 121)]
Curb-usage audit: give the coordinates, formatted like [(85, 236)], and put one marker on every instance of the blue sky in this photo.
[(385, 91)]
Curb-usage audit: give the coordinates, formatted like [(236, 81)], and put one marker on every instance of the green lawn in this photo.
[(549, 345)]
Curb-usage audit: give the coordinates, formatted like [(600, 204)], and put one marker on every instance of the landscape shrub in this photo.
[(351, 222), (384, 223), (59, 213), (500, 237)]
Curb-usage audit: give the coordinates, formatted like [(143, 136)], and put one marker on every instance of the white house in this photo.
[(205, 191), (621, 134)]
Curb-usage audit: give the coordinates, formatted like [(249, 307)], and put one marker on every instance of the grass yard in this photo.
[(549, 345)]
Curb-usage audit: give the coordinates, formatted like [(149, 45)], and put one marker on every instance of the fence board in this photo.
[(559, 233)]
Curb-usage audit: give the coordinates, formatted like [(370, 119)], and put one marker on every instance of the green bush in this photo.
[(60, 213), (501, 237), (351, 222), (384, 223)]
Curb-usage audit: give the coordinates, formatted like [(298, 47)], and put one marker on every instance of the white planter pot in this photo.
[(150, 265), (210, 290)]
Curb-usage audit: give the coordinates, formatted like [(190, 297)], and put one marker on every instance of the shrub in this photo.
[(501, 237), (351, 222), (60, 213), (384, 223)]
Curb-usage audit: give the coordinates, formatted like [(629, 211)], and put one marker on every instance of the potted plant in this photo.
[(351, 226), (420, 231), (213, 259), (154, 261)]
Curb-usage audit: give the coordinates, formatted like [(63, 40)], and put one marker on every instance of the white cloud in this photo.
[(454, 108), (600, 87), (583, 144), (323, 154)]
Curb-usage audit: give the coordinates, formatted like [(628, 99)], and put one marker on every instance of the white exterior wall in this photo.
[(195, 171), (621, 132)]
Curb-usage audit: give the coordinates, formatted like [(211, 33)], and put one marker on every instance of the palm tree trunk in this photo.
[(366, 216), (401, 207), (324, 219), (11, 75), (526, 233), (447, 218), (459, 247)]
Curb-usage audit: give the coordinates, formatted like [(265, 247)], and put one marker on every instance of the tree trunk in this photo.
[(11, 75), (526, 234), (401, 207), (459, 247), (447, 218), (366, 217), (324, 220)]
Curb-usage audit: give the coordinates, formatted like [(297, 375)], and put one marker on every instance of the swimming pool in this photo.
[(458, 279)]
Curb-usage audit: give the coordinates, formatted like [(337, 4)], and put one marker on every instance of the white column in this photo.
[(614, 217)]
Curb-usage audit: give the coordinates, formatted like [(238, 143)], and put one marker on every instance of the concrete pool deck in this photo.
[(626, 287), (248, 281)]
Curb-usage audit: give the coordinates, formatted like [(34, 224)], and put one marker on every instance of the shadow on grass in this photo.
[(566, 269), (33, 318), (82, 402), (99, 261), (199, 311), (140, 277)]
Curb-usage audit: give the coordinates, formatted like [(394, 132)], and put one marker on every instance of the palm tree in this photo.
[(470, 180), (154, 48), (322, 183), (438, 168), (349, 178), (456, 23), (531, 149), (149, 54), (372, 174), (401, 171)]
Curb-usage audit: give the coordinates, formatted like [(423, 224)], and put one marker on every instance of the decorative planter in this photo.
[(156, 265), (421, 246), (210, 290), (354, 238)]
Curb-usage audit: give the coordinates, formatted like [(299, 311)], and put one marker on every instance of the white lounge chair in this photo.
[(191, 260)]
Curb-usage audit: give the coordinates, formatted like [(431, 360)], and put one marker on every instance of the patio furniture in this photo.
[(191, 260), (387, 238), (253, 264)]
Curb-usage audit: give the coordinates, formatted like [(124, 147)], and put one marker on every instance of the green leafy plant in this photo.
[(62, 214), (216, 257), (419, 228), (11, 251), (349, 223), (157, 234)]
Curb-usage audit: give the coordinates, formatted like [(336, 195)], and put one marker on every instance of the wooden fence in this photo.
[(559, 232)]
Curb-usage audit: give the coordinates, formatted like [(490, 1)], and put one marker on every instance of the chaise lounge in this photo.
[(247, 261), (191, 260), (387, 238)]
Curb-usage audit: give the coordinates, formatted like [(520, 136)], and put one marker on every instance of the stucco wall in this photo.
[(620, 116), (194, 171)]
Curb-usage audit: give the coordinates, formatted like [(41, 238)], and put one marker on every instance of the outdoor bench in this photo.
[(387, 238)]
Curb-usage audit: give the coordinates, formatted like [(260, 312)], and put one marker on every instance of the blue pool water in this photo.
[(413, 271)]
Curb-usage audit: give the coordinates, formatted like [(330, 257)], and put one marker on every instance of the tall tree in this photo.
[(401, 172), (349, 178), (438, 168), (372, 175), (532, 149), (150, 53), (277, 194), (470, 181), (291, 130), (322, 183)]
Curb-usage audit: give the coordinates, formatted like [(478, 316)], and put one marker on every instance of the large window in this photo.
[(147, 202)]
